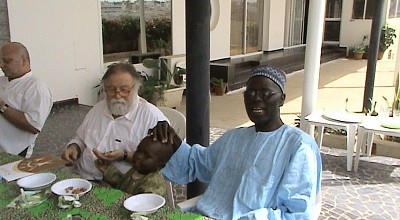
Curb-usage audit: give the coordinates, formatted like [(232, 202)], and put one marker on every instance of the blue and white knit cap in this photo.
[(272, 73)]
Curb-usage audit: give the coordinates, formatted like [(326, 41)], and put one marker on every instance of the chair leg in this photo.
[(320, 130), (351, 132), (360, 143), (370, 141)]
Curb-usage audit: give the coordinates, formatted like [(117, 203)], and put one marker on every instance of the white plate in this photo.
[(36, 181), (144, 203), (342, 116), (61, 188)]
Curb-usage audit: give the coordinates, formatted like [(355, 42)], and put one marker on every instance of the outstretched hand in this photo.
[(109, 157), (166, 134)]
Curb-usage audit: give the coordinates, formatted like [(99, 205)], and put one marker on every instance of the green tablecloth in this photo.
[(102, 202)]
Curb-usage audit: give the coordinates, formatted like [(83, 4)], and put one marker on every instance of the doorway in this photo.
[(296, 22)]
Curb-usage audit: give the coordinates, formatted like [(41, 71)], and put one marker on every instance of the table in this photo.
[(102, 202), (366, 131), (320, 122)]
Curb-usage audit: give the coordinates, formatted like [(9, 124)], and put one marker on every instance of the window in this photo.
[(363, 9), (394, 9)]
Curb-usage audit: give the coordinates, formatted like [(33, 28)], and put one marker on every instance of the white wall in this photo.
[(178, 27), (273, 25), (352, 31), (219, 37), (64, 41)]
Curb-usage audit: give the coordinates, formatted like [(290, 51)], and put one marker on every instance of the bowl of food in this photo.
[(71, 187), (144, 203), (37, 181)]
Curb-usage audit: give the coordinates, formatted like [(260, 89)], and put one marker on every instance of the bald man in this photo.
[(25, 102)]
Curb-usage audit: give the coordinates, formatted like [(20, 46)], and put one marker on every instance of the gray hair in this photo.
[(124, 67)]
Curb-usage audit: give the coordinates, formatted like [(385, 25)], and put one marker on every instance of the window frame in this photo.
[(367, 9)]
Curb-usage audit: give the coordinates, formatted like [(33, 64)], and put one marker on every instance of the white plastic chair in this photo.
[(177, 121)]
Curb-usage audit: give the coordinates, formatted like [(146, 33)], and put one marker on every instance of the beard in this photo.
[(119, 107)]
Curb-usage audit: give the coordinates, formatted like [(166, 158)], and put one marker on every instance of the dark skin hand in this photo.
[(101, 165), (166, 134)]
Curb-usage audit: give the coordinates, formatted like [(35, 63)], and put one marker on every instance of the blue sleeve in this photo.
[(187, 164)]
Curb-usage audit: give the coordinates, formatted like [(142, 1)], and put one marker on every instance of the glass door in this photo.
[(246, 26), (295, 22), (332, 21)]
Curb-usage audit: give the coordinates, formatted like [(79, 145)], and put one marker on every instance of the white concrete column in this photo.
[(315, 28), (143, 43)]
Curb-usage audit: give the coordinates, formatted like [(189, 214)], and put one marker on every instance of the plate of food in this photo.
[(37, 181), (144, 203), (71, 187), (391, 123)]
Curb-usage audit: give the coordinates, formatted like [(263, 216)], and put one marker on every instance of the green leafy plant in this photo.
[(151, 89), (387, 37), (360, 48), (119, 34), (216, 81), (219, 86), (166, 73)]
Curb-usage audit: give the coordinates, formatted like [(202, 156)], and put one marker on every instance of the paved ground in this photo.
[(371, 193)]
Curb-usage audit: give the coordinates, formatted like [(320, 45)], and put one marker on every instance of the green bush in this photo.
[(121, 34), (158, 34)]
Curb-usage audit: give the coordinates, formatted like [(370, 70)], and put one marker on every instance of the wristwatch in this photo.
[(4, 108)]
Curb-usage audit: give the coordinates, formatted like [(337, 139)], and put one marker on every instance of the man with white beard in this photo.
[(114, 127)]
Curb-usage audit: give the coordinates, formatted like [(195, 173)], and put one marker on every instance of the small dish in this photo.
[(391, 123), (71, 187), (37, 181), (144, 203)]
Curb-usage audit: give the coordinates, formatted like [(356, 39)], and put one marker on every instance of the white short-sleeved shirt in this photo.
[(100, 130), (31, 96)]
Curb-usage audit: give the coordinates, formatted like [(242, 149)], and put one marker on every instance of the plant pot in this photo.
[(218, 90), (172, 97), (357, 56)]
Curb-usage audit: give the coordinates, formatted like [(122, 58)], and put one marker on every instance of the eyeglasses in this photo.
[(264, 94), (123, 91)]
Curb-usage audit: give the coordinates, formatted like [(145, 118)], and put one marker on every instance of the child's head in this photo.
[(151, 156)]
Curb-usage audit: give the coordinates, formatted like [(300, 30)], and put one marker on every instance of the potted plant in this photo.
[(151, 89), (358, 51), (218, 86), (170, 95), (386, 39)]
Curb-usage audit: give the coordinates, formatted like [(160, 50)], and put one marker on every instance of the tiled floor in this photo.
[(371, 193)]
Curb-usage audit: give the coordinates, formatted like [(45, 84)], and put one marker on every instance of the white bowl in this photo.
[(36, 181), (144, 203), (71, 187)]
